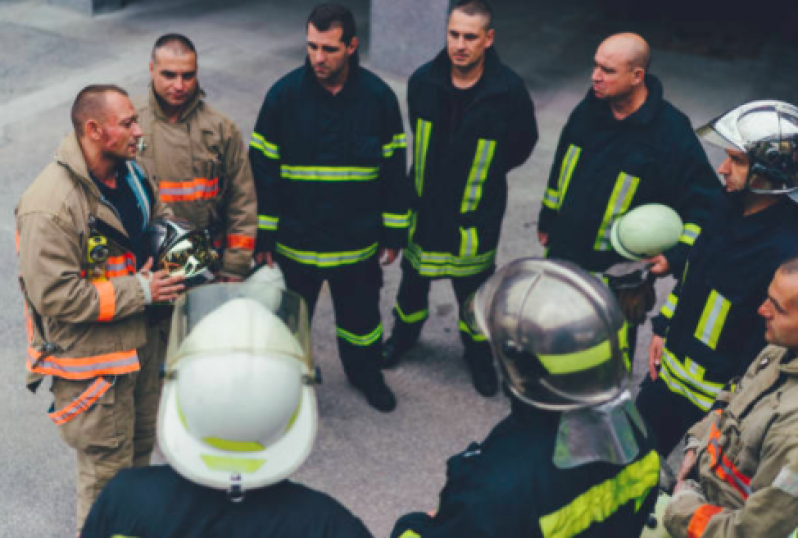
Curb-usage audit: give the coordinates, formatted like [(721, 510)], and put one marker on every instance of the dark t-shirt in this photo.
[(123, 200)]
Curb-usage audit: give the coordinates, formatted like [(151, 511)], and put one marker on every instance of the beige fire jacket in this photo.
[(747, 465), (201, 167), (90, 314)]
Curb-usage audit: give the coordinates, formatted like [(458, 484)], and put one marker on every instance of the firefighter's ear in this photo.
[(352, 46), (93, 130)]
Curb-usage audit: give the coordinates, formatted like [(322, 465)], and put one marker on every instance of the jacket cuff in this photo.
[(265, 241), (546, 219), (144, 281), (413, 522), (680, 511), (236, 262), (677, 257), (659, 325), (394, 238)]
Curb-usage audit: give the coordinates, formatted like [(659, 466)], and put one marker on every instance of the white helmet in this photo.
[(646, 231), (238, 410)]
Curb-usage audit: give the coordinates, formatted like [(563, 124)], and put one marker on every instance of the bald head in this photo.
[(630, 48)]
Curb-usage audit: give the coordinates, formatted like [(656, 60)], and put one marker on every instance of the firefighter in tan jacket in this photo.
[(740, 473), (196, 156), (85, 290)]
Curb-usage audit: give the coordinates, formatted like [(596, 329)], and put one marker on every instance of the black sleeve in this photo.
[(552, 196), (396, 190), (523, 133)]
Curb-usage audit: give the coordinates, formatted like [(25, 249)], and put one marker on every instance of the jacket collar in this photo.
[(492, 80), (354, 73), (642, 116), (155, 104), (70, 156), (788, 363)]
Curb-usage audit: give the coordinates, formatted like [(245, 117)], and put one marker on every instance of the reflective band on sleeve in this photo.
[(267, 222), (787, 481), (465, 329), (399, 141), (329, 173), (105, 290), (241, 241), (271, 151), (688, 380), (723, 467), (396, 220), (198, 188), (81, 368), (670, 306), (327, 259), (469, 242), (633, 483), (124, 265), (358, 340), (712, 319), (479, 173), (620, 200), (82, 403), (410, 534), (568, 363), (551, 199), (700, 520), (442, 264), (566, 172), (415, 317), (690, 233), (422, 136)]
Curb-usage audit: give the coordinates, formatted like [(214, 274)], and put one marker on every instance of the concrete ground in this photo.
[(380, 466)]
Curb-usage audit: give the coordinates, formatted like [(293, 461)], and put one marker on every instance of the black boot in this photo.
[(377, 393), (401, 340), (483, 373)]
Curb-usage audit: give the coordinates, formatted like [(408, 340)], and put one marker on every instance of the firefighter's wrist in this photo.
[(144, 279)]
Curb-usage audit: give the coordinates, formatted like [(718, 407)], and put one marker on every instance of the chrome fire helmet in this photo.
[(178, 247)]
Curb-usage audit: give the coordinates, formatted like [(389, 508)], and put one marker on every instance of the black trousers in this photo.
[(412, 305), (355, 291), (667, 414)]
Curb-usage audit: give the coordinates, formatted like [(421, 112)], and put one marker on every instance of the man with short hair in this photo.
[(623, 146), (328, 155), (739, 477), (85, 287), (473, 122), (197, 156)]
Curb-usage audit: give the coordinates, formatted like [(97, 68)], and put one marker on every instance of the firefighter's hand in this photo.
[(684, 471), (264, 257), (659, 265), (655, 355), (163, 287), (388, 255), (543, 237)]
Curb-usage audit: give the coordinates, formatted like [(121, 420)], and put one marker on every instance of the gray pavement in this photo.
[(380, 466)]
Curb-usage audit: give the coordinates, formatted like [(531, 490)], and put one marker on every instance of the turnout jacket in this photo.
[(201, 168), (330, 169), (84, 320), (460, 177), (710, 320), (747, 462), (508, 487), (157, 501), (604, 167)]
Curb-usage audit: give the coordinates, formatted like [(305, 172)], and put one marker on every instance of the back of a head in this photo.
[(331, 15)]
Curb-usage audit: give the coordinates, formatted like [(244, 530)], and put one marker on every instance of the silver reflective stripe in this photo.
[(567, 171), (79, 368), (329, 173), (730, 473), (712, 319), (423, 131), (620, 200), (479, 173), (469, 242)]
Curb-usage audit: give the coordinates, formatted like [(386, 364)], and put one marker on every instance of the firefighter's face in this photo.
[(467, 38), (734, 170), (174, 76), (613, 76), (118, 131), (328, 54), (780, 311)]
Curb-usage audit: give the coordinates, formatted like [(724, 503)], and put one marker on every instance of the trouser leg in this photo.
[(668, 415), (303, 280), (410, 312)]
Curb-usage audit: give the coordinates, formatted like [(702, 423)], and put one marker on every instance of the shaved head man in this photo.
[(619, 71)]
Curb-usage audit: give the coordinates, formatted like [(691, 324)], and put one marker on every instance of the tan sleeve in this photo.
[(240, 207)]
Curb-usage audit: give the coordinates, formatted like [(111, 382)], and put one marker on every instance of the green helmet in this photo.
[(646, 231)]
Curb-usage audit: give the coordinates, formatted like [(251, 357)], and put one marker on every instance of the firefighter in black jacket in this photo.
[(709, 330), (328, 155), (573, 458), (473, 121), (623, 146)]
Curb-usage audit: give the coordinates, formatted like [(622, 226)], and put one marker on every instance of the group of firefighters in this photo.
[(148, 198)]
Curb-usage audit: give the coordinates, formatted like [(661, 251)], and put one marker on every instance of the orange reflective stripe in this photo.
[(107, 300), (123, 265), (82, 403), (241, 241), (723, 467), (700, 520), (81, 368), (198, 188)]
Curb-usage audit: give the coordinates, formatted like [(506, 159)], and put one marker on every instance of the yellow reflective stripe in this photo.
[(568, 363), (423, 131), (267, 222), (469, 242), (712, 319), (438, 264), (410, 534), (396, 220), (688, 379), (232, 464), (551, 199), (415, 317), (566, 171), (601, 501), (233, 446), (690, 233), (327, 259), (126, 536), (361, 341), (399, 141), (272, 151), (329, 173), (475, 336), (670, 306), (479, 173), (620, 200)]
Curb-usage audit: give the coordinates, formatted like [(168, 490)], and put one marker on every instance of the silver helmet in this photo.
[(557, 333), (767, 132), (179, 248)]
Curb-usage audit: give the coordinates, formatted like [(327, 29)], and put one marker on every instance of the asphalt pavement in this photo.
[(380, 466)]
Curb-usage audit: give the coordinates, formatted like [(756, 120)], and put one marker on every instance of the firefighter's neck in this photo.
[(624, 106), (101, 167), (335, 83), (466, 77), (754, 203)]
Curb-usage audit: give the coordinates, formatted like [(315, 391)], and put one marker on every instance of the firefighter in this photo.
[(328, 155), (238, 416), (574, 457), (739, 477), (80, 226), (708, 329), (623, 146), (473, 121)]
